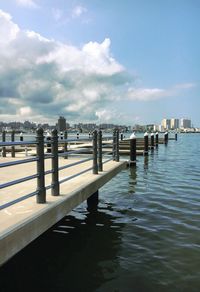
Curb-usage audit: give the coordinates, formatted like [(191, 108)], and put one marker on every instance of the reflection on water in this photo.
[(132, 179), (75, 253), (144, 236)]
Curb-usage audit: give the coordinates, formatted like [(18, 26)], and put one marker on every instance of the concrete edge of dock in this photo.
[(24, 232)]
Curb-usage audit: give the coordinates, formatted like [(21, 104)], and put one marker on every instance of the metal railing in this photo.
[(94, 152)]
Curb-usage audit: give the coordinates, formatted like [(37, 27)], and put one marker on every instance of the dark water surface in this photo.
[(145, 235)]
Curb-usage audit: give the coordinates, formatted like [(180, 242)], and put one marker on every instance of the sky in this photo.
[(100, 61)]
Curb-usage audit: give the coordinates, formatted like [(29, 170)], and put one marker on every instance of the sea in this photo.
[(144, 235)]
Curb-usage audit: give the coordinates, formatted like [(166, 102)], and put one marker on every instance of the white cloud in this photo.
[(42, 79), (150, 94), (105, 115), (27, 3), (145, 94), (53, 78), (92, 58), (78, 11), (25, 111), (8, 30)]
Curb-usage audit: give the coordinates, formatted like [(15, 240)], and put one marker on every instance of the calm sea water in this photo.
[(145, 235)]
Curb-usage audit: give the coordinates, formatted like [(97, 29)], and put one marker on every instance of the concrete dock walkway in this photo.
[(23, 222)]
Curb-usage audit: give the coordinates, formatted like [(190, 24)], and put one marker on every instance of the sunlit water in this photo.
[(145, 235)]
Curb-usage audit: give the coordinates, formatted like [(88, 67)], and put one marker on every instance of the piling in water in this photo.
[(132, 161), (146, 144)]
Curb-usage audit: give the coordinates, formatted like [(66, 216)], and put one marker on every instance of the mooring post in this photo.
[(157, 140), (13, 140), (117, 145), (4, 140), (100, 164), (114, 145), (65, 144), (152, 141), (92, 201), (132, 161), (55, 180), (94, 146), (165, 138), (48, 144), (77, 135), (146, 144), (61, 135), (176, 136), (21, 138), (41, 195)]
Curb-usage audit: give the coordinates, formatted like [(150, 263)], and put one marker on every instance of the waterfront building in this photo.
[(61, 124), (166, 124), (174, 124), (185, 123)]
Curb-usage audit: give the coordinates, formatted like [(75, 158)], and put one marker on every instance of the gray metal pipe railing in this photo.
[(41, 191), (12, 163), (100, 164), (17, 181), (4, 140), (55, 180), (97, 158), (94, 148), (13, 147)]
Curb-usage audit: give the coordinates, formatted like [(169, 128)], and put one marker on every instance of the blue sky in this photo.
[(100, 61)]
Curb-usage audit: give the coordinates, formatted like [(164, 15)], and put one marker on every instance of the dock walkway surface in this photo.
[(24, 221)]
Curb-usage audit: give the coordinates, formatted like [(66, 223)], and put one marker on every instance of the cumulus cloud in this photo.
[(52, 78), (42, 78)]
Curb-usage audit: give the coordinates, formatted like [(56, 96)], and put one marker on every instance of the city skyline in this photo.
[(128, 62)]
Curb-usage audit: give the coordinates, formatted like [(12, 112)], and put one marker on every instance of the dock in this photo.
[(24, 221), (38, 188)]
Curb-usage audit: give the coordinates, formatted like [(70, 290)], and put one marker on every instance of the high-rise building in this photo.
[(61, 124), (185, 123), (174, 124), (166, 124)]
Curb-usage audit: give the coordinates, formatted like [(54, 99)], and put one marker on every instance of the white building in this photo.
[(174, 124), (166, 124)]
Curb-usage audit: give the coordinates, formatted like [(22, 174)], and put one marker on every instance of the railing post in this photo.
[(41, 196), (117, 145), (132, 150), (166, 138), (55, 181), (4, 140), (13, 140), (157, 139), (95, 166), (152, 141), (146, 144), (48, 143), (100, 164), (114, 145), (65, 145)]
